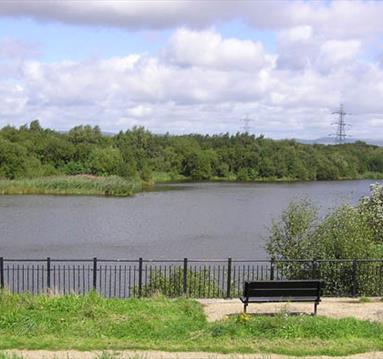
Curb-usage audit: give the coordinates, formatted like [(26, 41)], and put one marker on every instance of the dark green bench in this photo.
[(282, 291)]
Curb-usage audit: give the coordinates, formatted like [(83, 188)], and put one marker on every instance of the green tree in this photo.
[(105, 161), (13, 160)]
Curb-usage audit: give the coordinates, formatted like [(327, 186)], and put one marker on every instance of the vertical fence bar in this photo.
[(48, 273), (228, 294), (185, 284), (272, 262), (94, 273), (314, 269), (139, 277), (354, 288), (1, 273)]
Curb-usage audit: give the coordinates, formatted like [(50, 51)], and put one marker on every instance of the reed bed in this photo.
[(72, 185)]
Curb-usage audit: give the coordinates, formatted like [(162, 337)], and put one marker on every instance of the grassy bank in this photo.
[(163, 177), (112, 185), (72, 185), (94, 323)]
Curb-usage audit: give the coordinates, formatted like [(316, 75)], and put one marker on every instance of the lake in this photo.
[(194, 220)]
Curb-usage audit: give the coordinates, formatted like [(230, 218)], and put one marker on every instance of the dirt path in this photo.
[(71, 354), (217, 309)]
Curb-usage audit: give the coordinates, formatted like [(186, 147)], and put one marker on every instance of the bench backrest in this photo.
[(283, 288)]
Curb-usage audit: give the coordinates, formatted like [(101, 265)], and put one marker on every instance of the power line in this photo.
[(246, 124), (340, 133)]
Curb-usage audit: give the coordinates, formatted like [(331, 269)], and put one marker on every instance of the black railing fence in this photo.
[(186, 277)]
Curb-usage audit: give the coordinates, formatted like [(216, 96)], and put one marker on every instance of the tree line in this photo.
[(32, 151)]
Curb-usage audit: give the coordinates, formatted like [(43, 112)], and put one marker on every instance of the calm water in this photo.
[(204, 220)]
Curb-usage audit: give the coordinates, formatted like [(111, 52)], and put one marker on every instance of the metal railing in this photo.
[(185, 277)]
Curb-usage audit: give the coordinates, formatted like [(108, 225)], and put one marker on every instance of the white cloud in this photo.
[(140, 111), (209, 49), (204, 82), (298, 34), (339, 18), (133, 14), (13, 100), (335, 52), (301, 48)]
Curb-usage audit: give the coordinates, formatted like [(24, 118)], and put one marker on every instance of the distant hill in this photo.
[(331, 141)]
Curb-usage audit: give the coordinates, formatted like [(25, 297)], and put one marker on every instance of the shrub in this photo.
[(372, 207), (199, 283), (344, 234)]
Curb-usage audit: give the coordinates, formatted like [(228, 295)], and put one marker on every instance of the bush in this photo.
[(199, 284), (346, 233), (372, 207)]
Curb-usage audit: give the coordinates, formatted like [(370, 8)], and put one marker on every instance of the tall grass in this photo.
[(72, 185), (103, 355), (94, 323), (10, 356)]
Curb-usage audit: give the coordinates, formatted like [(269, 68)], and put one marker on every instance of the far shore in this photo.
[(115, 186)]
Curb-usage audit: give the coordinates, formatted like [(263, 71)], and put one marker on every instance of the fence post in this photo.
[(94, 273), (314, 269), (139, 277), (1, 272), (48, 273), (185, 275), (228, 294), (272, 269), (354, 288)]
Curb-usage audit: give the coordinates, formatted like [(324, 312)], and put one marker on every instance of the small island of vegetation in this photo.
[(86, 161)]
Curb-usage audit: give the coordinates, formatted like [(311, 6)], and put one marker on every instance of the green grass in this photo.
[(364, 300), (94, 323), (103, 355), (10, 356), (72, 185)]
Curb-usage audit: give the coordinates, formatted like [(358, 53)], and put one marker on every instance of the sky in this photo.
[(194, 66)]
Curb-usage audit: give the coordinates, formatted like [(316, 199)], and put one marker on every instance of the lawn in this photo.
[(94, 323)]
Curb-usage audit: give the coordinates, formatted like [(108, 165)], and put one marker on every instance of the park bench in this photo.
[(282, 291)]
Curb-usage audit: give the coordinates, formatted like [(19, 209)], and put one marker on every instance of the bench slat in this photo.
[(278, 299), (284, 284), (281, 292)]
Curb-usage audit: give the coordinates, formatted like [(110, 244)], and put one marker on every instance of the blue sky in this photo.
[(197, 66), (57, 41), (75, 42)]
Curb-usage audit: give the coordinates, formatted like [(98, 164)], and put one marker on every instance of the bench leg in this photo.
[(315, 308), (245, 307)]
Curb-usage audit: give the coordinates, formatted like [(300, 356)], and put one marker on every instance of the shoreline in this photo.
[(115, 186)]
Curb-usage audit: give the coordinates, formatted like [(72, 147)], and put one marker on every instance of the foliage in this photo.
[(105, 161), (345, 233), (291, 237), (199, 284), (372, 207), (32, 151), (91, 322)]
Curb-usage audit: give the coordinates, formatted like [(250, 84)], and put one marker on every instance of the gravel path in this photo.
[(217, 309)]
